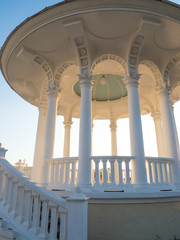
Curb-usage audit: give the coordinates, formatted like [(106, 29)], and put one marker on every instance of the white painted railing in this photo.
[(63, 172), (35, 212), (159, 170), (109, 172), (112, 172)]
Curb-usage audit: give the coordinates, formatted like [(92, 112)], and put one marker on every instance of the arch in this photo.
[(31, 56), (112, 57), (59, 72), (168, 68), (155, 72)]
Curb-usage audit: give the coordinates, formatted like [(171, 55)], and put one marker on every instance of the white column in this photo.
[(139, 177), (168, 132), (38, 152), (49, 132), (175, 130), (84, 166), (159, 134), (67, 128), (113, 127)]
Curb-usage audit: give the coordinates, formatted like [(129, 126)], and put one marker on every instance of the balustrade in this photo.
[(159, 170), (38, 213), (111, 172), (63, 172)]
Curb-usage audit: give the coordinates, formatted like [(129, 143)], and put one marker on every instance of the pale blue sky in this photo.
[(18, 120)]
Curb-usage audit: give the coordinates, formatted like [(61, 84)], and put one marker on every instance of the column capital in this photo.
[(67, 124), (113, 125), (156, 115), (85, 80), (132, 79), (53, 88), (163, 90)]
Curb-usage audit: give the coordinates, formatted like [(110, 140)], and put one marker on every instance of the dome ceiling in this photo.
[(105, 38), (106, 87)]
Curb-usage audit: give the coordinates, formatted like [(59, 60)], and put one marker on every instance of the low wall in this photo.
[(133, 221)]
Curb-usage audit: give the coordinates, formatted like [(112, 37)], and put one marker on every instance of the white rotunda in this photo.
[(108, 59)]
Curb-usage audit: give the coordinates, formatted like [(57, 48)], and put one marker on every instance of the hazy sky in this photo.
[(18, 120)]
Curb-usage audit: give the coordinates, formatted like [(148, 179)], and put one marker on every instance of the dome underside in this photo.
[(106, 87), (108, 30)]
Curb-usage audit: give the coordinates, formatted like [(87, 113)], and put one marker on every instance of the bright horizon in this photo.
[(19, 119)]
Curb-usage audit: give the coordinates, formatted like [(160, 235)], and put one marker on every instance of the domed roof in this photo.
[(107, 39)]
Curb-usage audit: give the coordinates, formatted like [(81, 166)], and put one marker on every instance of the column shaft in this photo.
[(49, 133), (159, 135), (39, 145), (67, 133), (136, 136), (176, 134), (84, 167), (113, 127), (169, 133)]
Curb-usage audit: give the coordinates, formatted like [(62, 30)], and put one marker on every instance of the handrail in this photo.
[(33, 222), (112, 157)]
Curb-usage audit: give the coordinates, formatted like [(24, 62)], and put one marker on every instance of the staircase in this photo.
[(33, 212)]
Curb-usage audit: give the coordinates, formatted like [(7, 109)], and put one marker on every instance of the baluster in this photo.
[(92, 172), (53, 222), (56, 173), (120, 171), (149, 164), (112, 171), (164, 170), (28, 210), (73, 172), (5, 189), (97, 171), (62, 172), (105, 176), (76, 172), (14, 198), (36, 214), (127, 171), (155, 172), (8, 206), (67, 172), (160, 172), (44, 219), (62, 235), (20, 206), (116, 172), (1, 183), (168, 173), (171, 172), (52, 172)]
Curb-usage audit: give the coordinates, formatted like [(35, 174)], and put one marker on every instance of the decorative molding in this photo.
[(115, 58), (58, 73), (168, 68), (138, 42), (77, 34), (134, 53), (155, 71), (31, 56)]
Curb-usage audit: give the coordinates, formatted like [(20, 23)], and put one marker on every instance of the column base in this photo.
[(141, 187), (83, 188)]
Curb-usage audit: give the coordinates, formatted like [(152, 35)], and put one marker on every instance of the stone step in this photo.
[(6, 232)]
